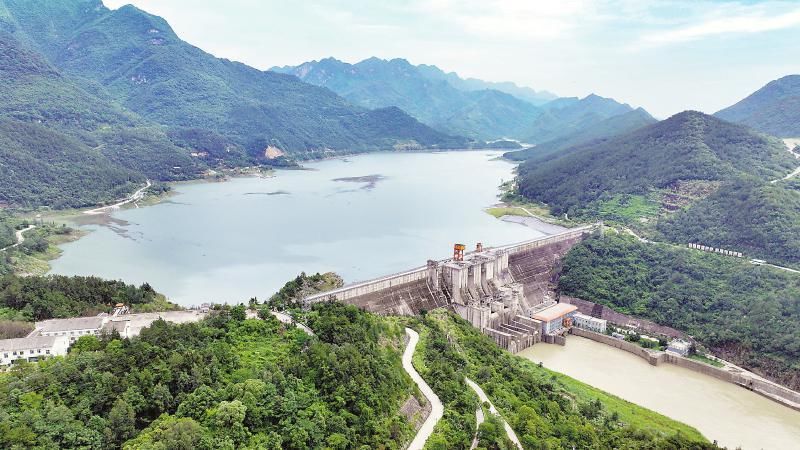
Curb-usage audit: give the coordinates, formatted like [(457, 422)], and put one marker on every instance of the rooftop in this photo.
[(12, 345), (78, 323), (554, 312)]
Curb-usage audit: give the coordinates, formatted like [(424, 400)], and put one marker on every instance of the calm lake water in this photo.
[(361, 217), (723, 411)]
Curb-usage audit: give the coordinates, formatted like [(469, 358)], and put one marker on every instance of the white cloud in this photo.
[(508, 19), (755, 21)]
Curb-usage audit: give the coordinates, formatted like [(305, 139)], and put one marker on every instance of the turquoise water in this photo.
[(227, 242)]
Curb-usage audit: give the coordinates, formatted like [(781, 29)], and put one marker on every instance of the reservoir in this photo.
[(361, 216), (732, 415)]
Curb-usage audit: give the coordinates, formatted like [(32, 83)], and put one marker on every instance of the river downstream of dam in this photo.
[(722, 411), (361, 216)]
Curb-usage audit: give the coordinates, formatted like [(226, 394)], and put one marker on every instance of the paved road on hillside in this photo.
[(136, 196), (20, 237), (485, 399), (437, 409)]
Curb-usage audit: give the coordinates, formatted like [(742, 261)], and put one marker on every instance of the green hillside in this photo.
[(63, 145), (760, 219), (688, 146), (604, 129), (143, 64), (434, 100), (774, 109), (744, 313)]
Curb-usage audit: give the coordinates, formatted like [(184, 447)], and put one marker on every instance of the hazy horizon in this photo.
[(666, 56)]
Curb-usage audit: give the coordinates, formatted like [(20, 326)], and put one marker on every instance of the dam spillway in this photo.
[(496, 289)]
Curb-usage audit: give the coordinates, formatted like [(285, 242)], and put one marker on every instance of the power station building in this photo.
[(556, 318)]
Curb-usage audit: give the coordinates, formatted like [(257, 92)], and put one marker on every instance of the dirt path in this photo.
[(790, 146), (285, 318), (437, 409), (20, 237), (485, 399), (136, 196)]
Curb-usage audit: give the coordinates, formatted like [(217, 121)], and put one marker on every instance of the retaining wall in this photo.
[(768, 389), (630, 347)]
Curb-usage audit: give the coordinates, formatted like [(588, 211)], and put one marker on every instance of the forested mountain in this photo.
[(687, 146), (140, 62), (434, 100), (760, 219), (746, 314), (774, 109), (564, 117), (604, 129), (64, 146)]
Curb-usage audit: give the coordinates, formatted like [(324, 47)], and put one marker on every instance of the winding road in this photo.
[(485, 399), (437, 409), (790, 145), (136, 196), (20, 237)]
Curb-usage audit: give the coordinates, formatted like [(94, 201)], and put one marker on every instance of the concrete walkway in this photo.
[(437, 409), (20, 234), (485, 399)]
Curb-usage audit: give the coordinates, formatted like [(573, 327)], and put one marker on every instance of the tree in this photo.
[(121, 423)]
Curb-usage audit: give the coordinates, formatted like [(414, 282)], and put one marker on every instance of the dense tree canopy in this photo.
[(226, 382), (745, 313)]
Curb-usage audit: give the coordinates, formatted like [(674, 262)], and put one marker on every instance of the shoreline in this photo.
[(81, 218)]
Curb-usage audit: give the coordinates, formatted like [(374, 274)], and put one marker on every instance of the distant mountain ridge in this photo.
[(774, 109), (473, 84), (604, 129), (427, 94), (570, 115), (139, 60), (94, 101)]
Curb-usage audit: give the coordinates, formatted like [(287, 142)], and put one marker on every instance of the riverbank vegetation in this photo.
[(545, 409), (743, 313), (226, 382), (39, 247)]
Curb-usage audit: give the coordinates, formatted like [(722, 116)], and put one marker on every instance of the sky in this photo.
[(664, 55)]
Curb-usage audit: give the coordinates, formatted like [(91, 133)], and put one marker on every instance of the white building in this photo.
[(589, 323), (679, 347), (71, 328), (32, 348)]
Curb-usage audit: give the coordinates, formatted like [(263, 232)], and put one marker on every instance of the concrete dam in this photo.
[(499, 290)]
